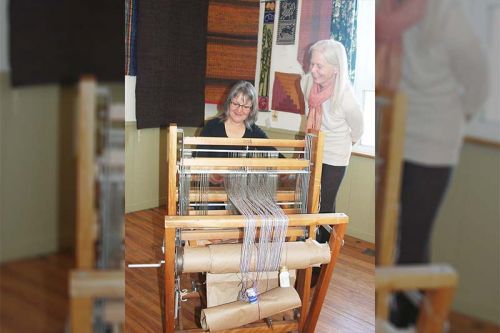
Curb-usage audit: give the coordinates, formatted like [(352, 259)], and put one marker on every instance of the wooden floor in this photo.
[(349, 304), (34, 297), (34, 294)]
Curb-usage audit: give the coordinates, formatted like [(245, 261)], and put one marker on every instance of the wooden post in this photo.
[(85, 215), (170, 232), (171, 170), (335, 242), (391, 154), (81, 307), (434, 310), (315, 179), (169, 280), (304, 277)]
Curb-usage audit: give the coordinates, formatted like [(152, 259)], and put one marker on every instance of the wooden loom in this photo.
[(223, 226)]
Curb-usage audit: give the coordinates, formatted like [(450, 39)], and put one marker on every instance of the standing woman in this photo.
[(332, 108)]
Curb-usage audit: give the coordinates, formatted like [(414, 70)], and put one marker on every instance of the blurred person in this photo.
[(332, 108), (444, 77), (392, 19)]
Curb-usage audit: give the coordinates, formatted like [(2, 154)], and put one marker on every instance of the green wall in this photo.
[(467, 231), (145, 181), (29, 170), (38, 168)]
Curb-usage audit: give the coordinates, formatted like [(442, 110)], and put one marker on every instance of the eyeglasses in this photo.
[(237, 105)]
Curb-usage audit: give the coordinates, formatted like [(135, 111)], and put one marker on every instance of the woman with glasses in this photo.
[(236, 121), (238, 117)]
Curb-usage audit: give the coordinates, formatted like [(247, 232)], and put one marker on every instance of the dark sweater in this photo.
[(215, 128)]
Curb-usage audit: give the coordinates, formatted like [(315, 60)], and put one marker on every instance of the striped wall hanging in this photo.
[(265, 56)]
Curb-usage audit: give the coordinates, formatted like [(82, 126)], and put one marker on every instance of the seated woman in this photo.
[(236, 121)]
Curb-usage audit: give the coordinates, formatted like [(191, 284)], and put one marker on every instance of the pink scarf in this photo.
[(316, 98)]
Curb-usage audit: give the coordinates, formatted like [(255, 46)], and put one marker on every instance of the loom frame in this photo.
[(176, 227), (439, 281)]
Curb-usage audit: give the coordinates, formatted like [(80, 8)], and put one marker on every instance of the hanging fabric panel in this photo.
[(265, 55), (315, 22), (171, 56), (54, 41), (287, 23), (344, 29), (231, 46), (287, 95), (130, 32)]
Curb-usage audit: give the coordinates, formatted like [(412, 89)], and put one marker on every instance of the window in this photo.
[(364, 82)]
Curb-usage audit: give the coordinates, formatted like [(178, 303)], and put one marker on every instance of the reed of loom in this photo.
[(439, 281), (192, 228)]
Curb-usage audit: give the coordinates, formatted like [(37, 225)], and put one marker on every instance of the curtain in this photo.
[(343, 29), (54, 41), (171, 56), (231, 46), (315, 24), (130, 32)]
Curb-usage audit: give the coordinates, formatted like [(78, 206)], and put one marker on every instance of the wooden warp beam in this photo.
[(225, 258)]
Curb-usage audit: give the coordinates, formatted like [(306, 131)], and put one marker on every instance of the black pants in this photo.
[(422, 191), (331, 178)]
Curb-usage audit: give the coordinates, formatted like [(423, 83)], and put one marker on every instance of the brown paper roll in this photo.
[(240, 313), (225, 258), (224, 288)]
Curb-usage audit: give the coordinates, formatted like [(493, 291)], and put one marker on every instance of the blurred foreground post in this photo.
[(438, 281), (98, 275)]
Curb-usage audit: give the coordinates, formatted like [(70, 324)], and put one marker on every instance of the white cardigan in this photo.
[(444, 77), (342, 125)]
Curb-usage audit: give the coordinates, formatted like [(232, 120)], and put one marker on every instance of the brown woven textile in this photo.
[(315, 23), (54, 41), (171, 56), (231, 46), (287, 95)]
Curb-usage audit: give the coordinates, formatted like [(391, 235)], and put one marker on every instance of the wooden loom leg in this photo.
[(324, 279), (382, 298), (304, 289), (434, 310), (169, 280), (81, 314)]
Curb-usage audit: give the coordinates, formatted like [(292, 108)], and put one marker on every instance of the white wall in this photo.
[(29, 127), (484, 17), (283, 59), (467, 231)]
